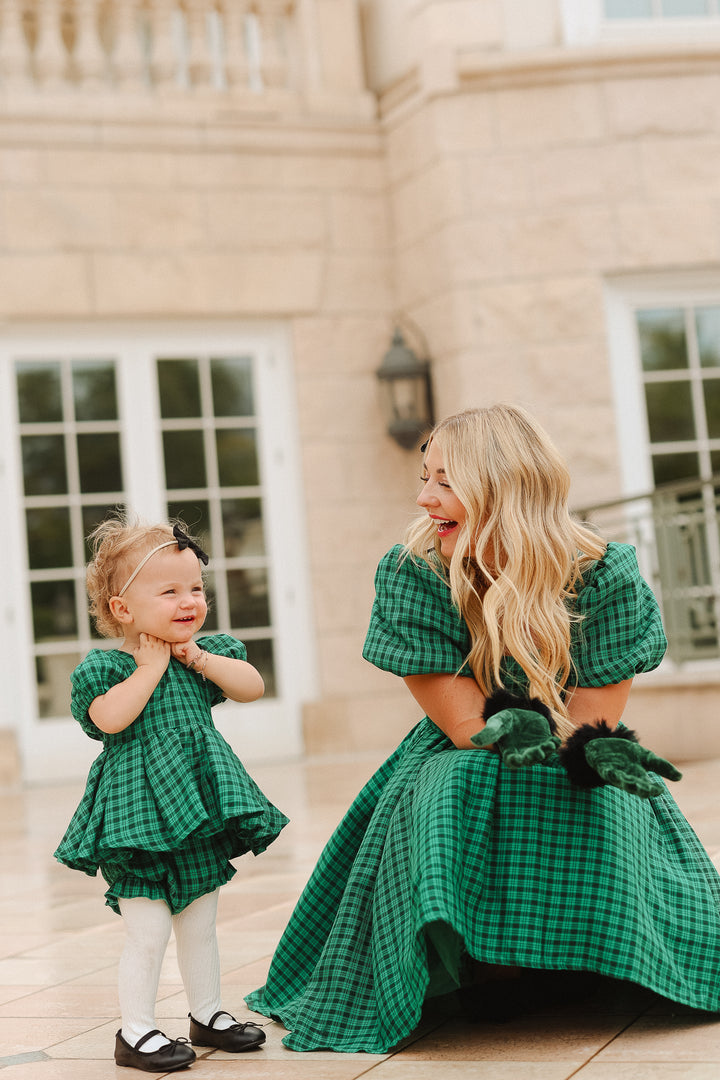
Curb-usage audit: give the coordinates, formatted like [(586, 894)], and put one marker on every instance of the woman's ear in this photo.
[(119, 610)]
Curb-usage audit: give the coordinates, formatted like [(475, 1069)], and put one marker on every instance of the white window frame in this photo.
[(265, 730), (623, 296), (584, 23)]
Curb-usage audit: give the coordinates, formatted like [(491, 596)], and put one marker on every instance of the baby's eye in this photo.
[(424, 479)]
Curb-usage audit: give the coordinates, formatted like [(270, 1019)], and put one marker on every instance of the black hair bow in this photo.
[(184, 541)]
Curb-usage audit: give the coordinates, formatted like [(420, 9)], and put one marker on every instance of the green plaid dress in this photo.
[(167, 803), (446, 852)]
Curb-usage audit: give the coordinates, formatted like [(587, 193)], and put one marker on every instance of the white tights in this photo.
[(147, 931)]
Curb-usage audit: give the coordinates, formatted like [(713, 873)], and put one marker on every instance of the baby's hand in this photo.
[(186, 651), (152, 652)]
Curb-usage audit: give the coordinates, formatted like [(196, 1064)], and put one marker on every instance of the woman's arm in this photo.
[(454, 703), (588, 704)]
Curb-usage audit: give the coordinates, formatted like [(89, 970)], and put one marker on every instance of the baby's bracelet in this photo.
[(199, 670)]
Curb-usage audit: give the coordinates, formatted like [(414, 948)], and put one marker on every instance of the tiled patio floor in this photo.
[(59, 947)]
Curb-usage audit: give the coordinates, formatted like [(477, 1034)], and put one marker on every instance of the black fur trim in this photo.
[(572, 753), (503, 699)]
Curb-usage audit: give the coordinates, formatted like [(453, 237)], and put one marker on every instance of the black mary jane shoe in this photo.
[(234, 1040), (176, 1055)]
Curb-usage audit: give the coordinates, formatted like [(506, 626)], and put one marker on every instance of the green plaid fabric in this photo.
[(446, 852), (167, 803)]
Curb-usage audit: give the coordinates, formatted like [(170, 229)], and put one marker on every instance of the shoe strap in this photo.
[(221, 1012), (144, 1038)]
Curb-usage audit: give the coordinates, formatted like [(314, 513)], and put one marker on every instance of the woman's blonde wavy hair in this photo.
[(118, 544), (519, 556)]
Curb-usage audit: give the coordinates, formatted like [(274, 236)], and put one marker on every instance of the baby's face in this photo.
[(167, 598)]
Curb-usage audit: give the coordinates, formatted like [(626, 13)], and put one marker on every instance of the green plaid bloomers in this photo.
[(167, 803), (447, 853)]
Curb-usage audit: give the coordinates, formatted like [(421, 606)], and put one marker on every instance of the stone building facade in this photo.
[(213, 216)]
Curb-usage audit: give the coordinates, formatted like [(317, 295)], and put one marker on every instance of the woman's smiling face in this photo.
[(438, 499)]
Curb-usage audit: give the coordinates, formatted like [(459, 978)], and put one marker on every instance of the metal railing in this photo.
[(225, 46), (676, 531)]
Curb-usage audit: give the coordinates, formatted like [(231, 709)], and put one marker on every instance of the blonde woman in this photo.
[(517, 829)]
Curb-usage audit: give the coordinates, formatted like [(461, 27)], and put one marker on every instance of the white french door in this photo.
[(195, 422)]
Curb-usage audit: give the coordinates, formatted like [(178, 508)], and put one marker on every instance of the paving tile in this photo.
[(60, 944), (671, 1038)]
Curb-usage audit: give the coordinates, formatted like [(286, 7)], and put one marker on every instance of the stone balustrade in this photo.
[(222, 47)]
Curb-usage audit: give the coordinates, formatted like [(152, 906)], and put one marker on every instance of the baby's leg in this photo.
[(147, 932), (199, 960)]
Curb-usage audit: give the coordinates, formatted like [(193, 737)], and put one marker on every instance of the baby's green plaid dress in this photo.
[(446, 852), (167, 803)]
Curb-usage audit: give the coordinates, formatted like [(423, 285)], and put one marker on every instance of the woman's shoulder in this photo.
[(616, 568), (405, 569)]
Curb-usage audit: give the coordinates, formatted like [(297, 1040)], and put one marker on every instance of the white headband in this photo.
[(138, 568)]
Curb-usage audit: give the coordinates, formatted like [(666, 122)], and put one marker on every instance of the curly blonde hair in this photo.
[(519, 557), (118, 544)]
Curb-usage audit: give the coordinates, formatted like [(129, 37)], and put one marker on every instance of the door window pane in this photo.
[(670, 411), (39, 392), (53, 683), (232, 386), (243, 527), (49, 537), (237, 457), (712, 407), (44, 469), (685, 8), (196, 515), (54, 612), (249, 598), (670, 467), (99, 462), (179, 388), (628, 9), (94, 390), (662, 339), (184, 454), (707, 324)]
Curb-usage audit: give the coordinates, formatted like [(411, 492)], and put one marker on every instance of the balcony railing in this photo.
[(225, 47), (676, 531)]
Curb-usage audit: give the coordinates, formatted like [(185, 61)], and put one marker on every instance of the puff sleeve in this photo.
[(621, 632), (94, 676), (414, 628)]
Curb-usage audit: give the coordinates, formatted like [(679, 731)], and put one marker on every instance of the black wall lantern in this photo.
[(406, 391)]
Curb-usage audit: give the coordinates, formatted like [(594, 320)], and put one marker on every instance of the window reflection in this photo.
[(261, 655), (707, 323), (237, 457), (232, 386), (39, 392), (670, 411), (44, 468), (243, 527), (54, 611), (184, 455), (99, 462), (49, 537), (94, 391), (179, 388), (663, 346), (53, 683), (248, 595)]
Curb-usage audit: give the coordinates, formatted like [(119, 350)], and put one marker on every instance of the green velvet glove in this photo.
[(597, 754), (521, 728)]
